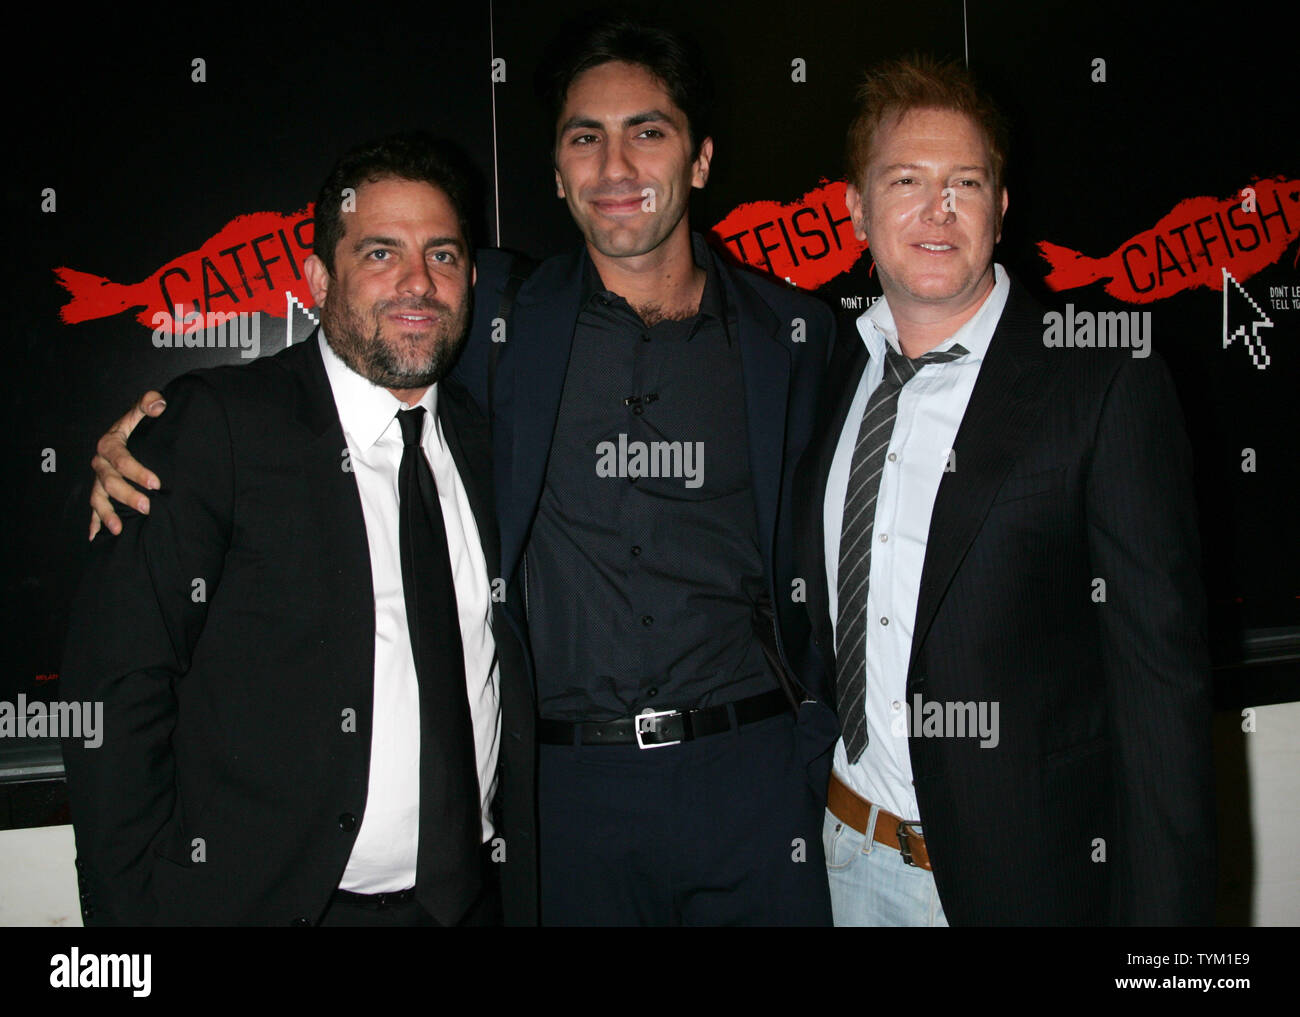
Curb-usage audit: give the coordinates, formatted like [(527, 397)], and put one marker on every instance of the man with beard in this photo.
[(682, 757), (649, 406), (297, 729)]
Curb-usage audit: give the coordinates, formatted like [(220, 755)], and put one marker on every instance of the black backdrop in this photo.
[(147, 164)]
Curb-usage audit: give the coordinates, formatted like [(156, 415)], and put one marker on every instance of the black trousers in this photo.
[(724, 830)]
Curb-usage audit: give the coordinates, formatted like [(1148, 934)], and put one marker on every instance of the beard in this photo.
[(401, 360)]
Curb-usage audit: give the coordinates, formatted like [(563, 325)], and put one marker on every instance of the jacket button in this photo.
[(347, 822), (301, 922)]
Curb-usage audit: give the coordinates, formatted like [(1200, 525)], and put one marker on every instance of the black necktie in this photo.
[(874, 435), (448, 861)]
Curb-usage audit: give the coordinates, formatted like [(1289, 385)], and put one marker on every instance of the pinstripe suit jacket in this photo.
[(1095, 806)]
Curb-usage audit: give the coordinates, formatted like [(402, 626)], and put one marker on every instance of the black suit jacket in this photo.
[(1096, 804), (230, 635), (785, 338)]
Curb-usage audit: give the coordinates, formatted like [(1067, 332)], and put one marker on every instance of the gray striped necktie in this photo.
[(874, 434)]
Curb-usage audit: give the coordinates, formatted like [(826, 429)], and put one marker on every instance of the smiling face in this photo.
[(927, 207), (396, 308), (623, 160)]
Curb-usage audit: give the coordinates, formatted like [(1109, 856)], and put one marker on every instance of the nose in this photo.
[(617, 165), (416, 278), (941, 206)]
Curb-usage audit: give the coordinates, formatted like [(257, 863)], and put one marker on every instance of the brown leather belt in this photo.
[(855, 811)]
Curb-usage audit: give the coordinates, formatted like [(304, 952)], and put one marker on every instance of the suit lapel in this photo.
[(468, 440), (338, 522), (1008, 397), (765, 369), (527, 392), (843, 376)]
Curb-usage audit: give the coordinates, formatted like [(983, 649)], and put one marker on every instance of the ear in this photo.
[(318, 278), (473, 276), (853, 199), (1001, 215), (559, 185), (700, 176)]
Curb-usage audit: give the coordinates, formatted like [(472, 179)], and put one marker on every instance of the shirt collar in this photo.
[(877, 327), (711, 301), (365, 409)]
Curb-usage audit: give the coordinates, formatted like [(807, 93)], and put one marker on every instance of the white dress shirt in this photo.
[(930, 409), (384, 854)]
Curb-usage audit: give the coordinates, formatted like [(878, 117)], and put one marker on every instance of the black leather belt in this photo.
[(655, 729)]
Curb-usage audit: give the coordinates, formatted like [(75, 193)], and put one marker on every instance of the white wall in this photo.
[(37, 883), (1258, 777)]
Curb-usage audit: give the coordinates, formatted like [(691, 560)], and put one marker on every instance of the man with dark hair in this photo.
[(682, 756), (1002, 567), (413, 156), (649, 406), (679, 65), (298, 729)]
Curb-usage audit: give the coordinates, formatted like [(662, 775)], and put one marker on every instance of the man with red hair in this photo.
[(1003, 570)]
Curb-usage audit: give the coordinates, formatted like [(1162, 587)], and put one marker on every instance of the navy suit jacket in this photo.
[(1096, 805), (785, 338)]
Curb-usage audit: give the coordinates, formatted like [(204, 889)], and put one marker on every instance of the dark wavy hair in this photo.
[(598, 38), (414, 155)]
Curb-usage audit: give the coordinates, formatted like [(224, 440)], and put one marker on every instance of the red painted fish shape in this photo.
[(246, 266), (1190, 245), (809, 241)]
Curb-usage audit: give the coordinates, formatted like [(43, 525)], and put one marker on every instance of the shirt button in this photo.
[(645, 338), (638, 409), (636, 550), (647, 620), (884, 621), (652, 692), (897, 705), (884, 538), (347, 822), (892, 457)]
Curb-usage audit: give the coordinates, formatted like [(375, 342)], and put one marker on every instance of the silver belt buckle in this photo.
[(651, 718)]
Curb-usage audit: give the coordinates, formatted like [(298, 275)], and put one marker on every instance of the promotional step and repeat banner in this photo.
[(161, 166)]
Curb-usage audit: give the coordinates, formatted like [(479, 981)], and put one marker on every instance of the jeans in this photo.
[(871, 884)]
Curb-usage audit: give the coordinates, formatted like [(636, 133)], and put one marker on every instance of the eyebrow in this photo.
[(378, 241), (650, 116), (894, 167)]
